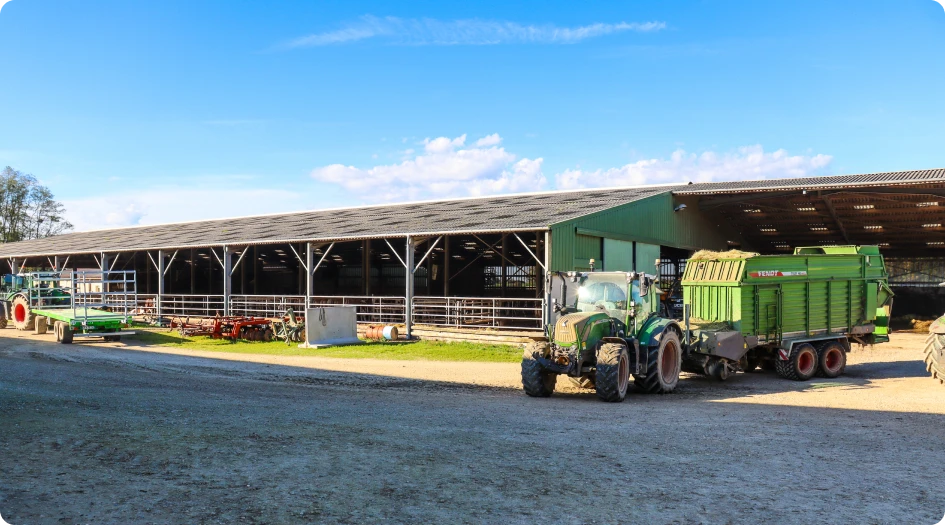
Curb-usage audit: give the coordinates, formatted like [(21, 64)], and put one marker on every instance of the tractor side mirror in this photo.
[(644, 286)]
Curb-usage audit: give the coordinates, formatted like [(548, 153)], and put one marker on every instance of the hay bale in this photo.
[(709, 255)]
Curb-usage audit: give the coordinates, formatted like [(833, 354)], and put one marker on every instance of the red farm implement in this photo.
[(232, 328)]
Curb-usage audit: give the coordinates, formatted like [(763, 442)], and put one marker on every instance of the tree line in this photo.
[(28, 209)]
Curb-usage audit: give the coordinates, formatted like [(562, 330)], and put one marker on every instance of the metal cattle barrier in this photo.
[(462, 312)]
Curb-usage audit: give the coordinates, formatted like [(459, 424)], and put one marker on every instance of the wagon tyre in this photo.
[(613, 372), (663, 365), (935, 357), (3, 322), (40, 325), (57, 330), (23, 317), (536, 381), (65, 332), (831, 359), (801, 364)]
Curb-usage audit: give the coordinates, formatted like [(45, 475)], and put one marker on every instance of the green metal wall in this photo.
[(650, 221)]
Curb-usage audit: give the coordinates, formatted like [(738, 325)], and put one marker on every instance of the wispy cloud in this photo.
[(428, 31)]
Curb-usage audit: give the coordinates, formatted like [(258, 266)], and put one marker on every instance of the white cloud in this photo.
[(747, 163), (447, 167), (161, 206), (489, 140), (428, 31)]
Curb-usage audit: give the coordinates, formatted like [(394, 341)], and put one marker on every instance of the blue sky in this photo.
[(145, 112)]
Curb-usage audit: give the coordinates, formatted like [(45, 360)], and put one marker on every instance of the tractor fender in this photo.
[(655, 327)]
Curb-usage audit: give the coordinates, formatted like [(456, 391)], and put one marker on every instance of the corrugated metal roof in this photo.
[(498, 213), (836, 181)]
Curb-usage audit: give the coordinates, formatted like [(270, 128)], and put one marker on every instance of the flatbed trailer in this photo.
[(77, 304)]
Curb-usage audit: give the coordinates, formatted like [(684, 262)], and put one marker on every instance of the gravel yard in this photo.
[(118, 433)]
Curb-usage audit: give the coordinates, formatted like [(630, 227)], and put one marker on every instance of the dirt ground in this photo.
[(113, 433)]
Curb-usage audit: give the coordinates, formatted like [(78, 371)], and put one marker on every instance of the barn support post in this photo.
[(446, 266), (309, 274), (408, 291), (227, 279), (546, 311), (104, 262), (366, 267), (160, 290)]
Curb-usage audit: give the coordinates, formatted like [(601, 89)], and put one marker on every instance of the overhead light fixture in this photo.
[(681, 207), (873, 227), (808, 208), (752, 210), (863, 206), (932, 225), (925, 204)]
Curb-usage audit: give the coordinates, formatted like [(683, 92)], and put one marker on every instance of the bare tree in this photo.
[(28, 209)]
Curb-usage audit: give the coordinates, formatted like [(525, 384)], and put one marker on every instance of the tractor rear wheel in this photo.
[(935, 356), (23, 318), (801, 364), (831, 359), (663, 364), (613, 372), (536, 381)]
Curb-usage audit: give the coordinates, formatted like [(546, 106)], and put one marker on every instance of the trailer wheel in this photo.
[(40, 325), (801, 364), (63, 333), (831, 359), (935, 357), (536, 381), (23, 318), (613, 372), (663, 364)]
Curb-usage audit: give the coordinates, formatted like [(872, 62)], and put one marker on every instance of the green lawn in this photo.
[(413, 350)]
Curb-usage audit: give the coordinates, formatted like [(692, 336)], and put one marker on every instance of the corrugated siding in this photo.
[(649, 220)]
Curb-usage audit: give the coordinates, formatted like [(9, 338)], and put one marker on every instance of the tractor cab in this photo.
[(627, 297)]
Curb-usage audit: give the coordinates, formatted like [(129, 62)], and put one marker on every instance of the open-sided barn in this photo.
[(482, 261)]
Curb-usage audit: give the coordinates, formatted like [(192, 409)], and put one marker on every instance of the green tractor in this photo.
[(15, 291), (606, 329)]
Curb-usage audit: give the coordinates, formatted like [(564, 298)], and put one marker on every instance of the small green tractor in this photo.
[(608, 329)]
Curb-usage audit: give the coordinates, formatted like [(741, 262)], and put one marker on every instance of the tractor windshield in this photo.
[(607, 293)]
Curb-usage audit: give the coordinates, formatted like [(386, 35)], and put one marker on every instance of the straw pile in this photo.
[(713, 326), (709, 255)]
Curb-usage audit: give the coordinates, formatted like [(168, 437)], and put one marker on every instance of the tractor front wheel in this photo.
[(536, 381), (800, 365), (935, 356), (663, 364), (23, 318), (613, 372)]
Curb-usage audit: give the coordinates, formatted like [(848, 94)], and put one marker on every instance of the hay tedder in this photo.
[(290, 329)]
